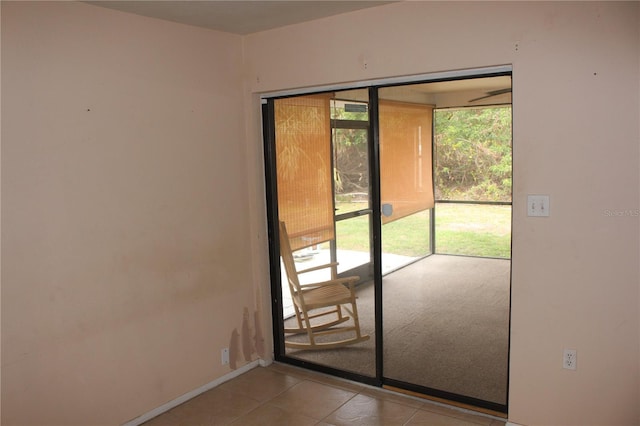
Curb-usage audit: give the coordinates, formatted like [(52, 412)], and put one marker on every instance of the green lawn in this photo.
[(472, 229), (467, 229)]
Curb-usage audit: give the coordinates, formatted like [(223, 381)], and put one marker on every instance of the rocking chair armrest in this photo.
[(316, 268), (344, 280)]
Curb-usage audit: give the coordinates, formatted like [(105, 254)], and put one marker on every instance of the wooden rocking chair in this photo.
[(326, 299)]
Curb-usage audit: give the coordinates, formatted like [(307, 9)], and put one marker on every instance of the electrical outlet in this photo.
[(569, 359), (225, 356)]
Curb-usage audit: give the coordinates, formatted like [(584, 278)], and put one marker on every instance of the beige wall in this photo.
[(576, 138), (133, 204), (125, 242)]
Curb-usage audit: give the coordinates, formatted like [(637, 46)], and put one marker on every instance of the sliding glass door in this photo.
[(359, 179)]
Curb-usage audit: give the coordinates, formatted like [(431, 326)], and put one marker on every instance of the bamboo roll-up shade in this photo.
[(405, 158), (303, 164)]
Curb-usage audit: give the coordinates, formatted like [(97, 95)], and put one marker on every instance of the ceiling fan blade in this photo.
[(492, 93)]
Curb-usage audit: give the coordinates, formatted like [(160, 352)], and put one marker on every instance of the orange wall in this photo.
[(125, 244), (576, 138)]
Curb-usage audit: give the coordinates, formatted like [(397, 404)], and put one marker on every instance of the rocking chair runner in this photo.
[(327, 299)]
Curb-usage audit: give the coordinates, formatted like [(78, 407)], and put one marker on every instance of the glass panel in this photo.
[(446, 318), (353, 242), (405, 240), (322, 148)]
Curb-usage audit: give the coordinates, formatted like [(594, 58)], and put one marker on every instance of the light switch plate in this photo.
[(538, 205)]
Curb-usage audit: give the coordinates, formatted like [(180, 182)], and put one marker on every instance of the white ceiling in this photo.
[(239, 16)]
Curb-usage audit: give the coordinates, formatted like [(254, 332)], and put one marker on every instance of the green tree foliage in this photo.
[(473, 154), (351, 168)]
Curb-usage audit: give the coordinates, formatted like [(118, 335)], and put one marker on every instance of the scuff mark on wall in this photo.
[(258, 338), (244, 344), (247, 344), (234, 349)]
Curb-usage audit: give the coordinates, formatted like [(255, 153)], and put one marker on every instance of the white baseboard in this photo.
[(190, 395), (265, 362)]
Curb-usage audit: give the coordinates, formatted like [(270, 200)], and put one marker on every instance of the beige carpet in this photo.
[(446, 327)]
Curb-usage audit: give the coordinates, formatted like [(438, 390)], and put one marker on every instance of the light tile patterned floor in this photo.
[(284, 395)]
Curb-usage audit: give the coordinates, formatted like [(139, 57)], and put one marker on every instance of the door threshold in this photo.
[(456, 404)]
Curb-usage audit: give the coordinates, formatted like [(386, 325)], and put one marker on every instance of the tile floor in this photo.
[(285, 395)]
